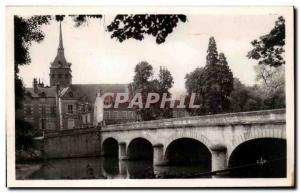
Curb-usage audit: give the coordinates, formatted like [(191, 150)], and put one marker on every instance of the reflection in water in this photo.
[(111, 168)]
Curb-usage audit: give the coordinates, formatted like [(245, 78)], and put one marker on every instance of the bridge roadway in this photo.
[(220, 134)]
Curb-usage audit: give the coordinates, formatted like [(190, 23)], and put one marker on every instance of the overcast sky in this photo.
[(96, 58)]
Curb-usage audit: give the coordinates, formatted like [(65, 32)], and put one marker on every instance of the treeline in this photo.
[(216, 89)]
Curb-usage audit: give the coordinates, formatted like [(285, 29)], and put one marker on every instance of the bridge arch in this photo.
[(188, 151), (188, 134), (140, 149), (257, 132), (249, 153), (110, 147)]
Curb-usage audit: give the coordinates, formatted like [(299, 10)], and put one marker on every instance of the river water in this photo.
[(112, 168)]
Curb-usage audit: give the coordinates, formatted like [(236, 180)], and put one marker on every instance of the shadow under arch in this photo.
[(259, 158), (110, 147), (140, 149), (188, 151)]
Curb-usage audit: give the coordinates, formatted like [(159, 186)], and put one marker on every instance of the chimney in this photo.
[(35, 85)]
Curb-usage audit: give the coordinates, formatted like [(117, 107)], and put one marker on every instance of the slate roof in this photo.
[(91, 90), (48, 91)]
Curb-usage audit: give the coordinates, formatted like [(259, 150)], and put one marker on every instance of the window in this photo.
[(131, 115), (71, 123), (106, 115), (115, 114), (124, 113), (59, 75), (70, 109), (66, 76), (53, 110), (43, 124), (28, 110), (83, 119), (52, 75), (70, 94), (43, 110), (88, 118)]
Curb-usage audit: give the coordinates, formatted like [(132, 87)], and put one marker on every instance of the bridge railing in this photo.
[(252, 117)]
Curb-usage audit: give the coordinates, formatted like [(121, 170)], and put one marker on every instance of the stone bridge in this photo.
[(212, 138)]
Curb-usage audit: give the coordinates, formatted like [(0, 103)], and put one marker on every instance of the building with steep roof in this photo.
[(64, 105)]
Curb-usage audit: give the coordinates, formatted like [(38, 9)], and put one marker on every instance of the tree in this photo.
[(269, 49), (165, 81), (225, 80), (26, 31), (272, 84), (136, 26), (144, 83), (194, 84), (212, 84)]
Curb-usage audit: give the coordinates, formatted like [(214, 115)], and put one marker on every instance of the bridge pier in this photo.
[(122, 151), (158, 155), (219, 159)]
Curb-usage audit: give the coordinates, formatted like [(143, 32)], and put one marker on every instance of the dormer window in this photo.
[(43, 94)]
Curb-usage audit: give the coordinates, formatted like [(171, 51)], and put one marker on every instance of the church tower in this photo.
[(60, 69)]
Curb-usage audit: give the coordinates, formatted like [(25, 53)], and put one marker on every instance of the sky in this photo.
[(96, 58)]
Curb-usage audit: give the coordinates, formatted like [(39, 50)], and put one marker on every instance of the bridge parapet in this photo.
[(253, 117)]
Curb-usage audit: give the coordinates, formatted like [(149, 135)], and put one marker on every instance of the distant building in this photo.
[(64, 105)]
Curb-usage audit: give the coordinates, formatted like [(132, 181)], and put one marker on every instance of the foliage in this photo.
[(26, 31), (136, 26), (165, 81), (194, 84), (254, 98), (272, 82), (212, 84), (24, 135), (269, 49), (144, 83)]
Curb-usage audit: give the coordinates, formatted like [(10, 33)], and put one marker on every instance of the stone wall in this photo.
[(72, 143)]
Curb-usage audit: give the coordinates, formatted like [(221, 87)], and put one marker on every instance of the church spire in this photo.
[(60, 46), (60, 69)]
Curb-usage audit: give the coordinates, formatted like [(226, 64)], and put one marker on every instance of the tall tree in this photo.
[(269, 48), (225, 80), (212, 84), (166, 82)]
